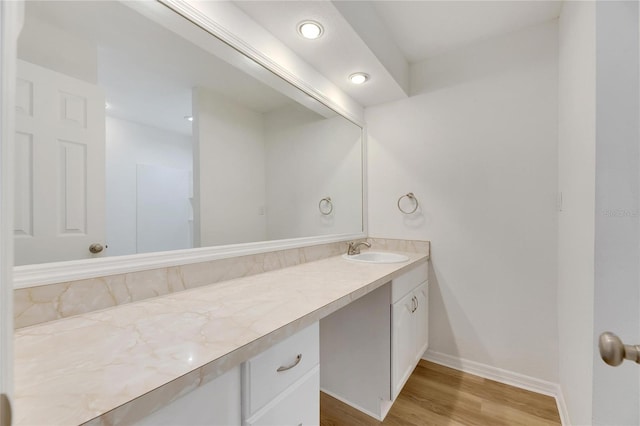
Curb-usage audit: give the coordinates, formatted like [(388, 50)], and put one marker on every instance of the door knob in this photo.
[(95, 248), (613, 351)]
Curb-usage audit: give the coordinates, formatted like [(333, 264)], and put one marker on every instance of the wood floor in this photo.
[(437, 395)]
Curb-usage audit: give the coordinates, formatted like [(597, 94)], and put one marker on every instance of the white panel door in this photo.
[(59, 166), (11, 14), (616, 391)]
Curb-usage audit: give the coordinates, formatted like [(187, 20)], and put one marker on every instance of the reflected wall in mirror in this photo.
[(141, 132)]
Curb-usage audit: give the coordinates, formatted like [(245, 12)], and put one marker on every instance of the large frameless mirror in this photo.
[(137, 132)]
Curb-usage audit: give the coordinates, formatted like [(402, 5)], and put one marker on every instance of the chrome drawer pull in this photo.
[(289, 367)]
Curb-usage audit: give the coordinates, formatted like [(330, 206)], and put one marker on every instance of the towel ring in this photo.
[(325, 206), (411, 197)]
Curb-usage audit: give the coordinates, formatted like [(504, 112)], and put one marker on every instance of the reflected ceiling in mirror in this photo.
[(138, 132)]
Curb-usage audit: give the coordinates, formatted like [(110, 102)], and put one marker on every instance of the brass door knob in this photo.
[(95, 248)]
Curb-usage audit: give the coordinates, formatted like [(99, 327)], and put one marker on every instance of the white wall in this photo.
[(616, 392), (229, 178), (127, 145), (309, 157), (477, 144), (52, 47), (576, 181)]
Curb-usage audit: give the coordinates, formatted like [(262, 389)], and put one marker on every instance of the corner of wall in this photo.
[(563, 411)]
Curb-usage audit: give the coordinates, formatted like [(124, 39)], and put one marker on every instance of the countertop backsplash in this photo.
[(35, 305)]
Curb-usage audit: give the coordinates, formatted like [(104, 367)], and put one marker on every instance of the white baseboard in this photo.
[(503, 376), (562, 408)]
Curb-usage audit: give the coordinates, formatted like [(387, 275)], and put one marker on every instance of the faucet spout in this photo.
[(354, 248)]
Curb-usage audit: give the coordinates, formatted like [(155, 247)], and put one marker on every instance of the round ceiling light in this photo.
[(358, 78), (310, 29)]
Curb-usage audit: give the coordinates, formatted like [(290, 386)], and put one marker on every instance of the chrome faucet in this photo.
[(354, 248)]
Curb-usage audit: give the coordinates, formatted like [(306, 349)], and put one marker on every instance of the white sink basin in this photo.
[(376, 257)]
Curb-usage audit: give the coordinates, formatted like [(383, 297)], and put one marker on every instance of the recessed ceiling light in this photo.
[(310, 29), (358, 77), (188, 117)]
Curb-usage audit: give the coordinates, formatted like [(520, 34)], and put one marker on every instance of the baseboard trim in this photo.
[(503, 376), (562, 408), (351, 404)]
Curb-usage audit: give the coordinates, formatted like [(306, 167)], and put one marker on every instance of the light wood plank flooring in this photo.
[(437, 395)]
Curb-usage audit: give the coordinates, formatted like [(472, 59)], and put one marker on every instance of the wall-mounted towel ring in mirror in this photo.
[(325, 206), (412, 198)]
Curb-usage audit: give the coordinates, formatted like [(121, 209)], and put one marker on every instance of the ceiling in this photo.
[(383, 38), (337, 54), (423, 29), (146, 71)]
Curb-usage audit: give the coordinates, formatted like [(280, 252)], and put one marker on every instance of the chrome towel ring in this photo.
[(325, 206), (412, 198)]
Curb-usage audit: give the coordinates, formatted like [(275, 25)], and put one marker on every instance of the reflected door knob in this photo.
[(95, 248), (613, 351)]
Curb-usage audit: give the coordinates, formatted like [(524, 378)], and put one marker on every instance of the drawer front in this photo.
[(261, 379), (297, 406), (408, 281)]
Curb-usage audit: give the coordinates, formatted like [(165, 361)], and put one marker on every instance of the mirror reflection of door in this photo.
[(260, 154), (59, 162)]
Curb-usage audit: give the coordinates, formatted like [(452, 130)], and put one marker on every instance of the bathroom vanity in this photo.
[(211, 354), (362, 354)]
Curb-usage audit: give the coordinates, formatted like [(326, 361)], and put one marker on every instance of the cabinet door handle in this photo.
[(289, 367), (413, 304)]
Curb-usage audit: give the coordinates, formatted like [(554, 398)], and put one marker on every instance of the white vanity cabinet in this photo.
[(281, 386), (370, 347), (216, 403)]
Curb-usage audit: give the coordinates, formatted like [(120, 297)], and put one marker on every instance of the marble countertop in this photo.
[(91, 367)]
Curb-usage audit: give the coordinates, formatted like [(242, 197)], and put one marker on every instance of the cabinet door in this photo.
[(421, 318), (403, 347)]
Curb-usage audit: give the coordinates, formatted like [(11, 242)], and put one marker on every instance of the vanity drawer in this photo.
[(260, 376), (408, 281), (299, 405)]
